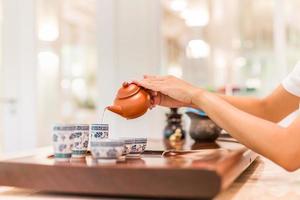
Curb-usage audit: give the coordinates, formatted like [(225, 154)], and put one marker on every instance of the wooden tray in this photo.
[(178, 174)]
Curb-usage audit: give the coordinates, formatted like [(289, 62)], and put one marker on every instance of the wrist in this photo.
[(196, 97)]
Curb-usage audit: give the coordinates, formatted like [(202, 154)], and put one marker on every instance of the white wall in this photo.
[(129, 43), (19, 75)]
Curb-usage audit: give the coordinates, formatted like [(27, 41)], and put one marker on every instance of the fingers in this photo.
[(157, 99), (154, 101), (153, 96), (135, 82), (151, 85), (152, 105), (154, 77), (153, 93), (152, 82), (151, 76), (151, 89)]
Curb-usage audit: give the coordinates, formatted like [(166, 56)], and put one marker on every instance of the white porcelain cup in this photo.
[(99, 132), (128, 143), (107, 150), (137, 148), (80, 140), (63, 141)]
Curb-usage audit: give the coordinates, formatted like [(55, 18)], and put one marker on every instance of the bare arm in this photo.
[(279, 144), (274, 107)]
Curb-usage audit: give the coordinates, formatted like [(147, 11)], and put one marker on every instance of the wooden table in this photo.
[(262, 180)]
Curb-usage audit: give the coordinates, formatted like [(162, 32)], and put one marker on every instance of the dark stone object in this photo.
[(202, 128)]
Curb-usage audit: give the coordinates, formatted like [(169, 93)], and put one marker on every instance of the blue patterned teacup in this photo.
[(63, 141), (107, 150), (99, 132), (81, 140), (137, 148), (128, 143)]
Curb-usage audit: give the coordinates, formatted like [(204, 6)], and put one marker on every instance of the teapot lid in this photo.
[(127, 90)]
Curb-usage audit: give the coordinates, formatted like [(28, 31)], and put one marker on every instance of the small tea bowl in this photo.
[(137, 148), (107, 150), (128, 143)]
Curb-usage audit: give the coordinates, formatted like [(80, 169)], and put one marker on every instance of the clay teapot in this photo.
[(131, 101)]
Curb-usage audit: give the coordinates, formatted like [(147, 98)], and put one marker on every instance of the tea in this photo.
[(103, 114)]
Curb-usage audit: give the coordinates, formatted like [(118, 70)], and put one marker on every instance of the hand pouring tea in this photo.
[(132, 101)]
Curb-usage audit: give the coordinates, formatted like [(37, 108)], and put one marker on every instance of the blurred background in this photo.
[(63, 60)]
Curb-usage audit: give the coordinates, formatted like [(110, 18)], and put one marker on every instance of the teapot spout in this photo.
[(115, 109)]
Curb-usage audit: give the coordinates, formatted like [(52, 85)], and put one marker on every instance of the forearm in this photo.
[(261, 135), (250, 105), (273, 107)]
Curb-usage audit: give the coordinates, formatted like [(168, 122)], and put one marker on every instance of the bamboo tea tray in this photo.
[(201, 172)]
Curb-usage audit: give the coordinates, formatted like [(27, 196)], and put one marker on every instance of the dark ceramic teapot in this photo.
[(202, 128)]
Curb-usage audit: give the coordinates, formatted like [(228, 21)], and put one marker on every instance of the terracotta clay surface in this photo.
[(177, 173)]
